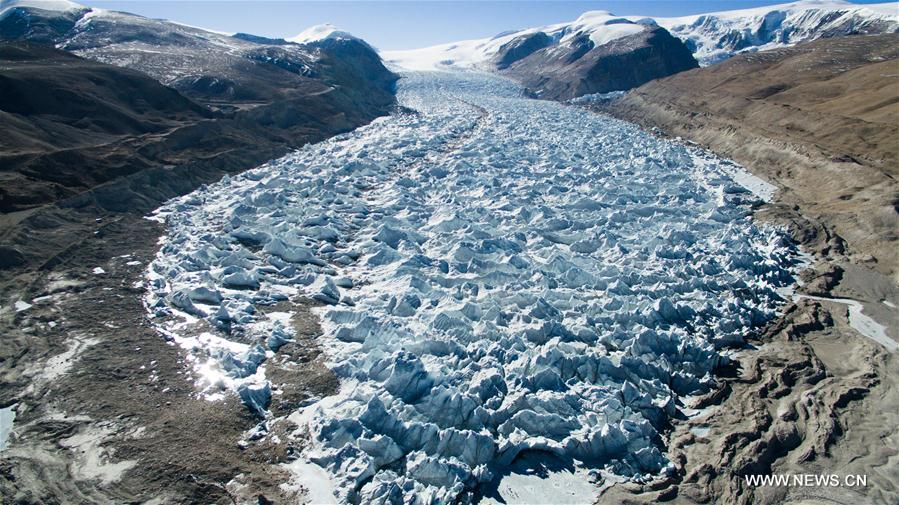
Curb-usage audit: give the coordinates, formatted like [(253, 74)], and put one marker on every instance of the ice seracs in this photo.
[(498, 280)]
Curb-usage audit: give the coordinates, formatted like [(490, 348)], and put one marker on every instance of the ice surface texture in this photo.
[(498, 275)]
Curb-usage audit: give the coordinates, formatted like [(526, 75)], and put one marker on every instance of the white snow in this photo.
[(501, 278), (860, 321), (761, 189), (98, 271), (312, 480), (320, 32), (58, 365), (7, 417), (94, 460), (50, 5), (601, 26), (700, 431), (540, 479), (217, 32), (21, 306), (713, 35)]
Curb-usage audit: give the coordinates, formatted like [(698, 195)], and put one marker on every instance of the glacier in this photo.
[(497, 278)]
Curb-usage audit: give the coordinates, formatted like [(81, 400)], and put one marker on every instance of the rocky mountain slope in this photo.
[(233, 101), (70, 124), (600, 52), (217, 69), (561, 72), (73, 124), (596, 53)]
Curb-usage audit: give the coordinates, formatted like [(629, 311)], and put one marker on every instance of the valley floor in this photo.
[(478, 223)]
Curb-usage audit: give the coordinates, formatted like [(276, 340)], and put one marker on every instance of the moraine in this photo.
[(503, 280)]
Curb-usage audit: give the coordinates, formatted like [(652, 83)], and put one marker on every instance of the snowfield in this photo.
[(500, 279)]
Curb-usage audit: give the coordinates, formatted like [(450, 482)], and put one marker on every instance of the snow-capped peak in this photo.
[(49, 5), (321, 32), (802, 5), (601, 26), (710, 37), (717, 35)]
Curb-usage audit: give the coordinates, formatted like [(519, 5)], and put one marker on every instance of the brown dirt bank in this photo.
[(107, 410), (813, 395)]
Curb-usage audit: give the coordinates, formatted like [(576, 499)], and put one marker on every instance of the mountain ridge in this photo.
[(709, 38)]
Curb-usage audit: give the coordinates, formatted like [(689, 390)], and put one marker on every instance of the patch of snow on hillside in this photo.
[(217, 32)]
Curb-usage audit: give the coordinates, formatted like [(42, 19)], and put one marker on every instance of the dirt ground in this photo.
[(107, 410)]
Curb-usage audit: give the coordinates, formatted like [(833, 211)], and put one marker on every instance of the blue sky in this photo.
[(403, 24)]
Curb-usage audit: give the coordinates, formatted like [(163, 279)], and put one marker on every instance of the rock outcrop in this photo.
[(562, 72)]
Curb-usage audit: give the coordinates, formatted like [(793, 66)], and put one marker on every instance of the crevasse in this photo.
[(497, 275)]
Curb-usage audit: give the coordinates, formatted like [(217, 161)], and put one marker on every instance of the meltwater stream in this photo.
[(502, 278)]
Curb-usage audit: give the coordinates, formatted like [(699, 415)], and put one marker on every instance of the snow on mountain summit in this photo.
[(321, 32), (49, 5), (716, 36), (602, 27)]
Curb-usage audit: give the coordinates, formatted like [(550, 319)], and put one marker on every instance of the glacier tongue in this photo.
[(500, 277)]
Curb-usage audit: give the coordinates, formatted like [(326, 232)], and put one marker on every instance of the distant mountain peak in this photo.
[(711, 36), (321, 32), (600, 27), (715, 36)]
